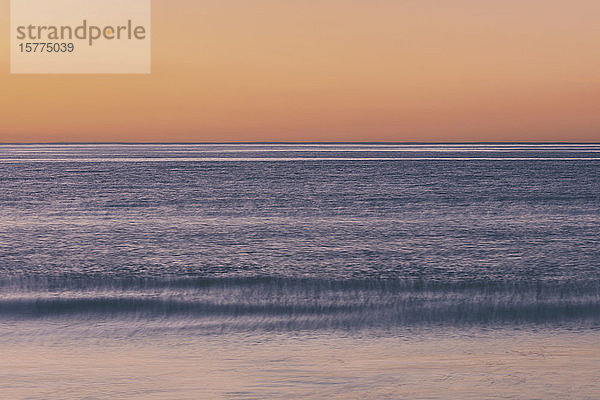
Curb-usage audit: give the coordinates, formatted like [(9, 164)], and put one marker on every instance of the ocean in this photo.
[(341, 271)]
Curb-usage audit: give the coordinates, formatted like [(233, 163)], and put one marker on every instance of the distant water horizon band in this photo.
[(297, 152)]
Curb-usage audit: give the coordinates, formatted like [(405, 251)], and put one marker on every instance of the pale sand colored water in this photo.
[(467, 365)]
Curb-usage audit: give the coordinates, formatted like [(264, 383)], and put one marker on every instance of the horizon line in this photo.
[(309, 142)]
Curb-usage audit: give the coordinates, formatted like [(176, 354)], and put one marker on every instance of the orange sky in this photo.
[(331, 70)]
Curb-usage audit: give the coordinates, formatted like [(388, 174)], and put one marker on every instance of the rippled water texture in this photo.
[(300, 271)]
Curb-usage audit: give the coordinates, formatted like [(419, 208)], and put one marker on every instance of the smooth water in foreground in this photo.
[(300, 271)]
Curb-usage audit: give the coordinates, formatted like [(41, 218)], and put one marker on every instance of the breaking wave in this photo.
[(283, 303)]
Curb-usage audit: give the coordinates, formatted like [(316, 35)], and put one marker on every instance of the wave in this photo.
[(285, 303)]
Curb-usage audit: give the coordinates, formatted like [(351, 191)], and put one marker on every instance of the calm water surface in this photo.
[(300, 271)]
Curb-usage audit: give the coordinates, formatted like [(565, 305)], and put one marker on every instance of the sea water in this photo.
[(251, 271)]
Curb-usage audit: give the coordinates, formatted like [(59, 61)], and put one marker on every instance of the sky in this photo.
[(331, 70)]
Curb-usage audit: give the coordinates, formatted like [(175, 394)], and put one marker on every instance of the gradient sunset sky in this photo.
[(331, 70)]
